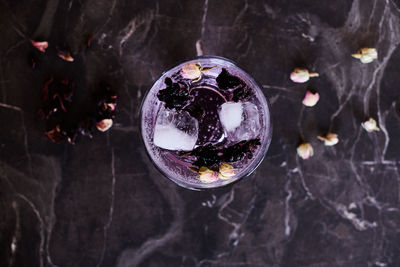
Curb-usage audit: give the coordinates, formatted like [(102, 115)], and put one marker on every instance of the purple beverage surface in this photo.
[(210, 128)]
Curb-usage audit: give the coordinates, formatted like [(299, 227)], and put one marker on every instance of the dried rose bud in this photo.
[(330, 139), (366, 55), (305, 150), (41, 46), (111, 106), (191, 71), (226, 171), (104, 125), (207, 176), (66, 55), (310, 99), (300, 75), (370, 125)]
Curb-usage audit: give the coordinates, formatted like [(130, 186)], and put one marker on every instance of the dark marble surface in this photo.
[(102, 203)]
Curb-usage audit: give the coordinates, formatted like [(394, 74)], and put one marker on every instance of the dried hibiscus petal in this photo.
[(211, 156), (227, 81), (175, 95)]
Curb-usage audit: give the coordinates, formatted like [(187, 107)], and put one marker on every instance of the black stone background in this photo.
[(102, 202)]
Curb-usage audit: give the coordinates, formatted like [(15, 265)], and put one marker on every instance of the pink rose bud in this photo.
[(366, 55), (310, 99), (207, 176), (104, 125), (330, 139), (300, 75), (226, 171), (305, 150), (370, 125), (41, 46), (191, 71), (65, 55)]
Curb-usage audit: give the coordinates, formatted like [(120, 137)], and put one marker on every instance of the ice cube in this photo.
[(175, 130), (230, 115), (249, 126)]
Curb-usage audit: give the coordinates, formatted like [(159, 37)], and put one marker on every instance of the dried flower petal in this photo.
[(191, 71), (41, 46), (226, 171), (310, 99), (370, 125), (366, 55), (207, 176), (104, 125), (89, 41), (330, 139), (55, 134), (66, 55), (305, 150), (300, 75)]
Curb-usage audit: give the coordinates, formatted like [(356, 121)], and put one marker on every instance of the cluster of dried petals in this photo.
[(366, 55), (330, 139), (370, 125), (300, 75), (207, 175), (41, 45), (310, 99), (193, 71), (226, 171), (305, 150)]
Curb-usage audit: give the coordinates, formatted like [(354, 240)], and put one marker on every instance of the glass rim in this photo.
[(205, 186)]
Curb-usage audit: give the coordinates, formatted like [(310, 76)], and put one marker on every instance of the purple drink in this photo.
[(205, 123)]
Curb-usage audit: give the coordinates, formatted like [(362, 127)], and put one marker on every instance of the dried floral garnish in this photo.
[(366, 55), (370, 125), (300, 75), (310, 99), (330, 139), (191, 71), (57, 96), (89, 41), (176, 95), (207, 175), (65, 55), (305, 150), (104, 124), (241, 93), (226, 171), (105, 100), (55, 134), (41, 45), (227, 81), (61, 124), (211, 156), (194, 71)]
